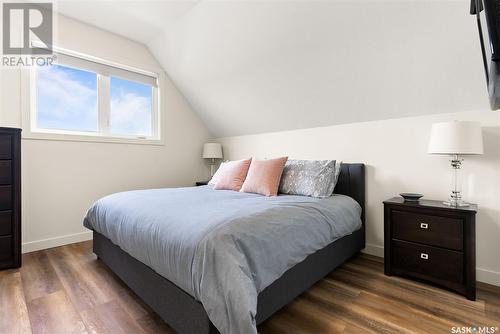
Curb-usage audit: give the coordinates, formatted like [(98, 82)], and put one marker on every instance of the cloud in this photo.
[(67, 99), (130, 113)]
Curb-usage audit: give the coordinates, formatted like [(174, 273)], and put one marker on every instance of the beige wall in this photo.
[(395, 154), (62, 178)]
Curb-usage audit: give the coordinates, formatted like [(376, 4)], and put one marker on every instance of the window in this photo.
[(85, 98)]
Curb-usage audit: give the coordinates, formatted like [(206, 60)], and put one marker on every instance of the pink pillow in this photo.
[(264, 176), (233, 175)]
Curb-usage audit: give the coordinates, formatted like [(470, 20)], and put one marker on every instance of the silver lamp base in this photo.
[(456, 203), (212, 167), (455, 199)]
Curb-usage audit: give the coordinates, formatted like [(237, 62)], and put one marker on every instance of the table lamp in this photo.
[(212, 151), (456, 138)]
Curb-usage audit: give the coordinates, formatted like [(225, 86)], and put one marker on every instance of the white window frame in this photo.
[(29, 106)]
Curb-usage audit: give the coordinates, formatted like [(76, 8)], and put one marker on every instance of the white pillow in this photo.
[(217, 174)]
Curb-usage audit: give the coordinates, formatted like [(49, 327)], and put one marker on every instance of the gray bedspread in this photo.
[(222, 247)]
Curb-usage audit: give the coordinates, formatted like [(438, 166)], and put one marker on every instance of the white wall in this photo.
[(395, 154), (251, 67), (60, 179)]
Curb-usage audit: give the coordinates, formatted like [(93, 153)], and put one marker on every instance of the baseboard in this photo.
[(488, 276), (375, 250), (482, 275), (57, 241)]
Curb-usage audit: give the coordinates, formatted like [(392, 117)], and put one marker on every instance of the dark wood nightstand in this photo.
[(201, 183), (431, 241)]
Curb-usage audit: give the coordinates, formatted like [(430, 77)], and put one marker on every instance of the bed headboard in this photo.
[(351, 182)]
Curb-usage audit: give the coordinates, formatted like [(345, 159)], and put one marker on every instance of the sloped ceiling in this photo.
[(260, 66), (138, 20)]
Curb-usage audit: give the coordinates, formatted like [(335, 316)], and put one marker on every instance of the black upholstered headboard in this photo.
[(351, 182)]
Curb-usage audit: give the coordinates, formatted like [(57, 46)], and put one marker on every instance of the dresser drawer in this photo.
[(5, 248), (427, 261), (5, 223), (431, 230), (5, 172), (5, 197), (5, 146)]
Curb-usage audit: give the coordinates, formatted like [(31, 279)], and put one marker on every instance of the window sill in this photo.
[(26, 134)]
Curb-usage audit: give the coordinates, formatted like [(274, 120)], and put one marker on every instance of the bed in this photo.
[(238, 271)]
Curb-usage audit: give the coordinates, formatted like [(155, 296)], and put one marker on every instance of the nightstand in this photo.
[(431, 241), (201, 183)]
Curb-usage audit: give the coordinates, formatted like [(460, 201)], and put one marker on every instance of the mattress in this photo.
[(222, 247)]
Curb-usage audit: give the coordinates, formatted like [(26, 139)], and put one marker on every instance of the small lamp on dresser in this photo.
[(456, 138), (212, 151)]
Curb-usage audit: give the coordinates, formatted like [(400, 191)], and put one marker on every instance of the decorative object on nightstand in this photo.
[(212, 151), (431, 241), (456, 138), (201, 183), (411, 197)]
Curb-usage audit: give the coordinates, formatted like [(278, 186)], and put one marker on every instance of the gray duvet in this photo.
[(222, 247)]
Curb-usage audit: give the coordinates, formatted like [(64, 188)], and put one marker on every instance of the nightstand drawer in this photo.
[(427, 262), (431, 230)]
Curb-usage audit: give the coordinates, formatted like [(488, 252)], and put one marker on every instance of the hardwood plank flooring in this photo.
[(110, 318), (13, 311), (54, 313), (67, 290), (39, 277)]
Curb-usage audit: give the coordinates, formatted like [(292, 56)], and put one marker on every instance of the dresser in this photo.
[(10, 198), (431, 241)]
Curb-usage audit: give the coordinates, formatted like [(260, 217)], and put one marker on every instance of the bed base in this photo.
[(186, 315)]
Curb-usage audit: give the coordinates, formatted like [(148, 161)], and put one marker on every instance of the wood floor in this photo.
[(66, 290)]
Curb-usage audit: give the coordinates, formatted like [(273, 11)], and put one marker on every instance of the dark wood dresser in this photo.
[(431, 241), (10, 198)]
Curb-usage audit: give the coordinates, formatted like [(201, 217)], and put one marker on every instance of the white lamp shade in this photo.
[(457, 137), (212, 151)]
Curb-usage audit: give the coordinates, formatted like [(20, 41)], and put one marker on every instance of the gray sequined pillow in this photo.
[(315, 178)]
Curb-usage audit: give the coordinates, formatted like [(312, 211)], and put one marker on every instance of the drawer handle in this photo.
[(424, 256), (424, 226)]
